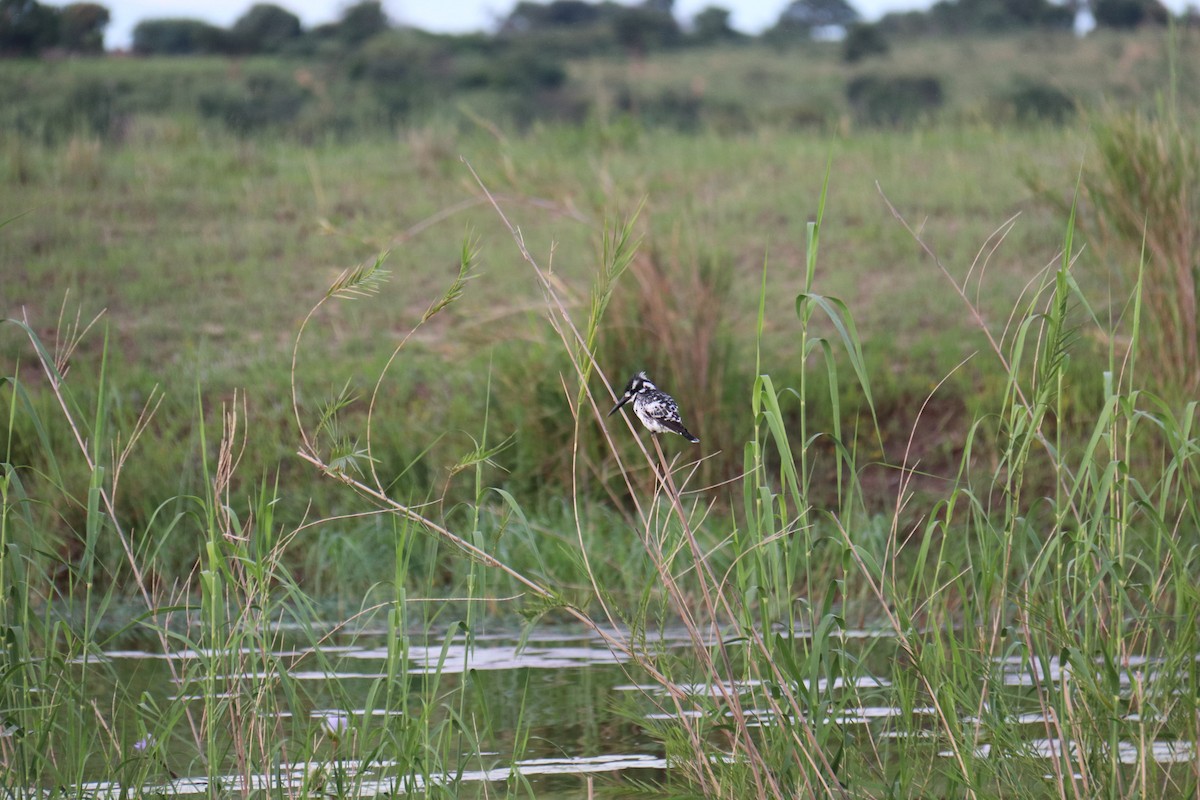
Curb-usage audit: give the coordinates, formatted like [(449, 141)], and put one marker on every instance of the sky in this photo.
[(440, 16)]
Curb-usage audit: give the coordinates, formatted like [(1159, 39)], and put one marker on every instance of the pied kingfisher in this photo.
[(657, 410)]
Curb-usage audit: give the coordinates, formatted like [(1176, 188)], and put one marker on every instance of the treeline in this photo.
[(363, 73), (561, 27), (578, 27), (28, 28), (265, 29)]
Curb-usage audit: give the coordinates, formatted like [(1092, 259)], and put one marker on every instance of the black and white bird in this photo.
[(657, 410)]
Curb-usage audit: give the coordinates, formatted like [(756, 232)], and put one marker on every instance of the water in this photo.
[(545, 705), (368, 783), (557, 710)]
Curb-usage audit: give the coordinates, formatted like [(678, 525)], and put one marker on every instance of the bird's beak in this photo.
[(624, 400)]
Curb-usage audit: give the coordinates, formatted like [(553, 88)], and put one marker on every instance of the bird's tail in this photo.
[(678, 428)]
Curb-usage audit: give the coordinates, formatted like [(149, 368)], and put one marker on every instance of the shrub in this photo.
[(898, 100), (404, 70), (680, 110), (519, 69), (863, 41), (92, 104), (263, 101), (1032, 101)]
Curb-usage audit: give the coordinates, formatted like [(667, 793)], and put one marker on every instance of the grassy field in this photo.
[(735, 89), (978, 464), (983, 79), (205, 254)]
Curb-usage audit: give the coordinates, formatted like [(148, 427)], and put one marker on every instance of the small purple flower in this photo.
[(143, 744)]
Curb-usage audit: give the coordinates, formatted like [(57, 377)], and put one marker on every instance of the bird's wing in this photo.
[(677, 427)]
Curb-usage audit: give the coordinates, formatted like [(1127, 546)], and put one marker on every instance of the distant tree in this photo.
[(177, 37), (1129, 13), (803, 16), (265, 28), (1059, 16), (906, 23), (1025, 12), (322, 40), (964, 16), (27, 27), (574, 27), (362, 21), (712, 25), (1039, 13), (989, 16), (528, 17), (81, 27), (863, 41), (640, 29)]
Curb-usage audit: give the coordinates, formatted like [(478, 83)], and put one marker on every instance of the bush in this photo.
[(410, 72), (263, 101), (896, 100), (404, 70), (863, 41), (679, 110), (178, 37), (517, 69), (1032, 101), (93, 105)]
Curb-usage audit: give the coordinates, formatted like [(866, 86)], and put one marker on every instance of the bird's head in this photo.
[(638, 383)]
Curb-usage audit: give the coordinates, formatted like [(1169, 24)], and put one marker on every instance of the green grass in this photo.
[(202, 252)]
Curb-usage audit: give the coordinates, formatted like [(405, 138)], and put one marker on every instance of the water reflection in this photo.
[(1128, 753), (554, 691), (457, 658), (301, 775)]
